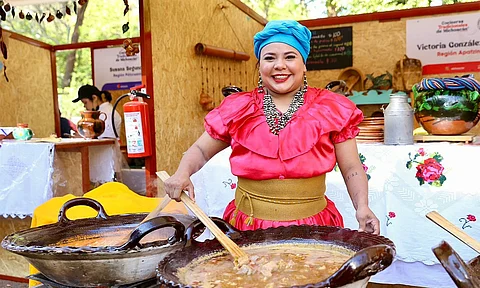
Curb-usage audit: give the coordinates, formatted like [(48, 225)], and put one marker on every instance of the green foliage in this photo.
[(307, 9), (381, 82), (434, 100), (103, 20)]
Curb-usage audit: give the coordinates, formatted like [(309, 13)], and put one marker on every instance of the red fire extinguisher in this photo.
[(137, 124)]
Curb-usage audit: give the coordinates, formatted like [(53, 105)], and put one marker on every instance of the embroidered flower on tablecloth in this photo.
[(365, 167), (465, 220), (429, 169), (425, 205), (230, 183), (390, 215)]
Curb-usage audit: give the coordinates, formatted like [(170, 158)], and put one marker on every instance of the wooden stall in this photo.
[(28, 96)]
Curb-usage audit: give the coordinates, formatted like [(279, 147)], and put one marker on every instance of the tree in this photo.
[(305, 9), (96, 20)]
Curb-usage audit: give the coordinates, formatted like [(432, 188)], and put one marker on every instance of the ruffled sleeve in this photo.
[(350, 129), (218, 122), (338, 114)]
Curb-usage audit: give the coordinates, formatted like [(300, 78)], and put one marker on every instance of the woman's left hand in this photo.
[(367, 221)]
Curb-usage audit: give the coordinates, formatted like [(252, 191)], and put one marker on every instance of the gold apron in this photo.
[(280, 200)]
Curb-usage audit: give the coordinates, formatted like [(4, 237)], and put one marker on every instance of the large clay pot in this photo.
[(91, 126), (447, 106), (372, 253)]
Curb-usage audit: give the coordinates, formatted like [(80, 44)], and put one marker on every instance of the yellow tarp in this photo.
[(115, 197)]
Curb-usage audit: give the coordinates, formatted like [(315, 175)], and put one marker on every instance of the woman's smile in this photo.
[(280, 78)]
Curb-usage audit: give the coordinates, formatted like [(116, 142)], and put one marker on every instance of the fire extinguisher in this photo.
[(137, 124)]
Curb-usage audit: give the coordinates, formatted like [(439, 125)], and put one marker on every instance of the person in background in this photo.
[(285, 136), (96, 100), (66, 127)]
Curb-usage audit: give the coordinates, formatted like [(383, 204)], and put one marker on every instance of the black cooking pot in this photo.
[(373, 253), (86, 266)]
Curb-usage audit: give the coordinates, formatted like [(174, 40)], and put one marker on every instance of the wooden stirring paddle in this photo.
[(454, 230), (239, 256)]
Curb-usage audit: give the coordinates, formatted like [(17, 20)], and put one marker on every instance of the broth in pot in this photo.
[(278, 265)]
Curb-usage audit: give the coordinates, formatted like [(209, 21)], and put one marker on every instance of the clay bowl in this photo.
[(449, 114)]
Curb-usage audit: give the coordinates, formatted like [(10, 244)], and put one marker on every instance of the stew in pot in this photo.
[(286, 264)]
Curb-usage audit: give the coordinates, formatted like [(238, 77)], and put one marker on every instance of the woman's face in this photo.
[(281, 68), (89, 104)]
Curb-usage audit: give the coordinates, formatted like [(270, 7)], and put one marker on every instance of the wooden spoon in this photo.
[(454, 230), (239, 256), (163, 175)]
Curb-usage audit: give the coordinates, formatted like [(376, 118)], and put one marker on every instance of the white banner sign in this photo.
[(114, 70), (447, 44)]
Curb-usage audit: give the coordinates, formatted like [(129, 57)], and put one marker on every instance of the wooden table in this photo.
[(81, 145)]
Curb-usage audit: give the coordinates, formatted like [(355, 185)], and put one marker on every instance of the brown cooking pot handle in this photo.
[(456, 268), (195, 229), (364, 263), (151, 225), (92, 203)]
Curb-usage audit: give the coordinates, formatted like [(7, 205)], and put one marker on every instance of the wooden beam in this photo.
[(147, 80), (30, 41), (94, 44), (393, 15), (247, 10), (56, 107)]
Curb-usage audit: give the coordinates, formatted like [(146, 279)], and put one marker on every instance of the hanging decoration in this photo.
[(217, 78), (4, 53), (131, 48), (6, 8)]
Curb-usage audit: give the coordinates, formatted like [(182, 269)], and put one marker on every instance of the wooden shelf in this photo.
[(467, 138), (372, 97)]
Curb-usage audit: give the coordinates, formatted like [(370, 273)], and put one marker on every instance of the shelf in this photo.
[(373, 97)]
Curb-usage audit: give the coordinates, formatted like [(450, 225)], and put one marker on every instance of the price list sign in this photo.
[(331, 48)]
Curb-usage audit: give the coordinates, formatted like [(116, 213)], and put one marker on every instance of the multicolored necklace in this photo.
[(275, 119)]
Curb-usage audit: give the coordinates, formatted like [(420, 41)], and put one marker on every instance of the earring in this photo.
[(305, 84), (260, 84)]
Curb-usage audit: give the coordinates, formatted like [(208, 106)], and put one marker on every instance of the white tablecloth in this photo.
[(399, 199), (29, 177), (25, 177)]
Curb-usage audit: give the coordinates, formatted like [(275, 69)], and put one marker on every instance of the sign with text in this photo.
[(114, 70), (331, 48), (447, 44)]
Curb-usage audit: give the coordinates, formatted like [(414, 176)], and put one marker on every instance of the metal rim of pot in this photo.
[(18, 242)]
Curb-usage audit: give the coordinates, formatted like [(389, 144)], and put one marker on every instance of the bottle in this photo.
[(398, 119)]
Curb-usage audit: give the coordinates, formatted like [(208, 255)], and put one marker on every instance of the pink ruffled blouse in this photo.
[(303, 149)]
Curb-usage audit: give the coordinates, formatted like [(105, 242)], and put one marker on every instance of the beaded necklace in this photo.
[(276, 120)]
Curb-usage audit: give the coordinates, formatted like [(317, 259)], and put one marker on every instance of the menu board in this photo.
[(331, 48)]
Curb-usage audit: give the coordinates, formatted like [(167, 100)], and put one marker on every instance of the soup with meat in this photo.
[(278, 265)]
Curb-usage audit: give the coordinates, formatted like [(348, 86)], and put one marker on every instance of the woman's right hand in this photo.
[(178, 183)]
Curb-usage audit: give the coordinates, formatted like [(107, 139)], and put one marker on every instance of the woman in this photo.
[(93, 100), (284, 136)]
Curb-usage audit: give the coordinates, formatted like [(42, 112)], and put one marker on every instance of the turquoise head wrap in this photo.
[(289, 32)]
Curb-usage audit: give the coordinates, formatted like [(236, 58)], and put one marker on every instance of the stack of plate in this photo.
[(371, 130)]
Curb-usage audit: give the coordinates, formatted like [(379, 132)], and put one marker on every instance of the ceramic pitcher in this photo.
[(91, 126)]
